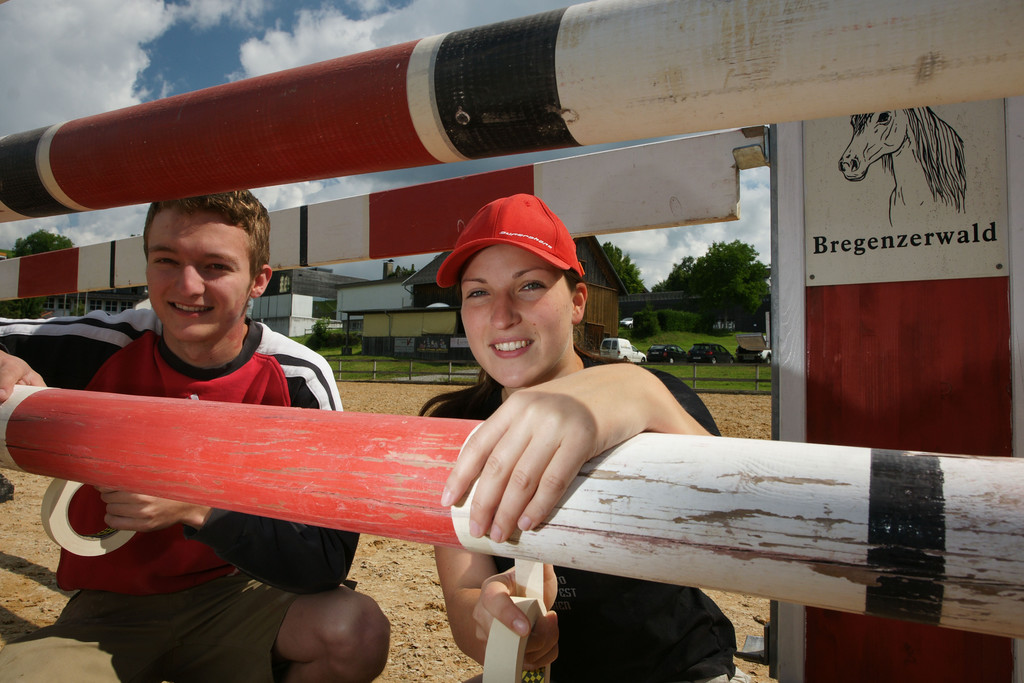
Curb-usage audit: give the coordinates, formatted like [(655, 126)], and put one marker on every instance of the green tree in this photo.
[(401, 272), (679, 279), (37, 243), (729, 275), (645, 323), (624, 267)]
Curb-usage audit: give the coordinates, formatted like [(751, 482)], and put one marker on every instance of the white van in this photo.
[(617, 347)]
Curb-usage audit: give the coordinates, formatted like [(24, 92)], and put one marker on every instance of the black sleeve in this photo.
[(689, 400), (63, 361), (294, 557)]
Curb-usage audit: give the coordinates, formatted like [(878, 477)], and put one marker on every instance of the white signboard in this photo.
[(906, 194)]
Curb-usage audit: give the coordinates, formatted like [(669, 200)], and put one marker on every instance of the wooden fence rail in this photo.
[(462, 372)]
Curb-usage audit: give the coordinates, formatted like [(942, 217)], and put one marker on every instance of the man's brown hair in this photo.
[(240, 208)]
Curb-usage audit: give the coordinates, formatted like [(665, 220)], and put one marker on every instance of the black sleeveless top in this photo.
[(621, 629)]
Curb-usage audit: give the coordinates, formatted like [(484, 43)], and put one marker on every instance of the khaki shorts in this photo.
[(218, 632)]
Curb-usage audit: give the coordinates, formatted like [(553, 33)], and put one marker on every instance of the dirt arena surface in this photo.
[(399, 575)]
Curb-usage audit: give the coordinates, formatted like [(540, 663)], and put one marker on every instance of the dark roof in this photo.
[(362, 282), (409, 309), (427, 275)]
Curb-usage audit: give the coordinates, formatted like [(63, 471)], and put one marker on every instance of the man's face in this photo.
[(198, 273)]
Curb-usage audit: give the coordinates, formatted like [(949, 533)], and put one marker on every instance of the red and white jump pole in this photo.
[(597, 72), (919, 537), (684, 181)]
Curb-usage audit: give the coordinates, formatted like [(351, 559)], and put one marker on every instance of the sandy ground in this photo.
[(398, 574)]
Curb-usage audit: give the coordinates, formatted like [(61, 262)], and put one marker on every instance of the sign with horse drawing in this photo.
[(906, 194)]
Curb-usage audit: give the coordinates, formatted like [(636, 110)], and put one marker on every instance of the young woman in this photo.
[(549, 407)]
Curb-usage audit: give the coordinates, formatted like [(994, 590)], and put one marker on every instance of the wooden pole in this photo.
[(372, 474), (918, 537), (683, 181), (597, 72)]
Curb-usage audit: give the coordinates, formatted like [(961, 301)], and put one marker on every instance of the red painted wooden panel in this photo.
[(845, 647), (910, 365), (425, 218), (40, 273)]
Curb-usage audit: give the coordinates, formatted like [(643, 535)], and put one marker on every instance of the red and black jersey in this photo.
[(125, 354)]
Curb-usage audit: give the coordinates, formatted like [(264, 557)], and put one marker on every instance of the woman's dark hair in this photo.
[(468, 402)]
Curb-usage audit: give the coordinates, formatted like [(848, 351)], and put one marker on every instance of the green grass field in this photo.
[(682, 339), (746, 377), (704, 376)]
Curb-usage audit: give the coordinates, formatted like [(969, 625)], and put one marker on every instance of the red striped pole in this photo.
[(918, 537), (686, 181), (377, 474), (598, 72)]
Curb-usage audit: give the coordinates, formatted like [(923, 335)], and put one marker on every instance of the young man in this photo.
[(202, 594)]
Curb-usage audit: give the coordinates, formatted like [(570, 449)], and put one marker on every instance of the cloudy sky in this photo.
[(65, 59)]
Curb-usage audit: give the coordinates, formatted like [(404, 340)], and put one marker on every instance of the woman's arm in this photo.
[(530, 450), (475, 594)]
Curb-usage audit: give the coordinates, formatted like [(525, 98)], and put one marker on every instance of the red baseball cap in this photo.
[(520, 220)]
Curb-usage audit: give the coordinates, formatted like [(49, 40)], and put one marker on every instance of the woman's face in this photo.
[(519, 313)]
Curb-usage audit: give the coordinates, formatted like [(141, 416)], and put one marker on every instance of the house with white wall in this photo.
[(388, 293), (295, 299)]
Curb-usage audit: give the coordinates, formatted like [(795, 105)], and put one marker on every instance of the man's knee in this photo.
[(359, 632), (342, 635), (352, 632)]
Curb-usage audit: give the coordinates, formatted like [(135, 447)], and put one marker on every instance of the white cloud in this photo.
[(318, 35), (207, 13), (66, 60), (81, 229)]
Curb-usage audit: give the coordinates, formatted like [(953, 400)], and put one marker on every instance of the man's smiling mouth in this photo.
[(191, 309)]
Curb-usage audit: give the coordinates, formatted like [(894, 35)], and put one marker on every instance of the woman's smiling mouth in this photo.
[(512, 345)]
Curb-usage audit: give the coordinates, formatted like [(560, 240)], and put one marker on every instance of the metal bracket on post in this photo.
[(752, 156)]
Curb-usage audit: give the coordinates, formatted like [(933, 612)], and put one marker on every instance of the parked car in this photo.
[(751, 356), (617, 347), (666, 353), (627, 323), (709, 353)]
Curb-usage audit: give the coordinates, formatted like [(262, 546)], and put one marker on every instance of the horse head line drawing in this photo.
[(923, 154)]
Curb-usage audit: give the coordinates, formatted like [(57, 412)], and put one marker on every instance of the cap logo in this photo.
[(529, 237)]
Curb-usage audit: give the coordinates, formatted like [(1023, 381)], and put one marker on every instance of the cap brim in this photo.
[(448, 273)]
